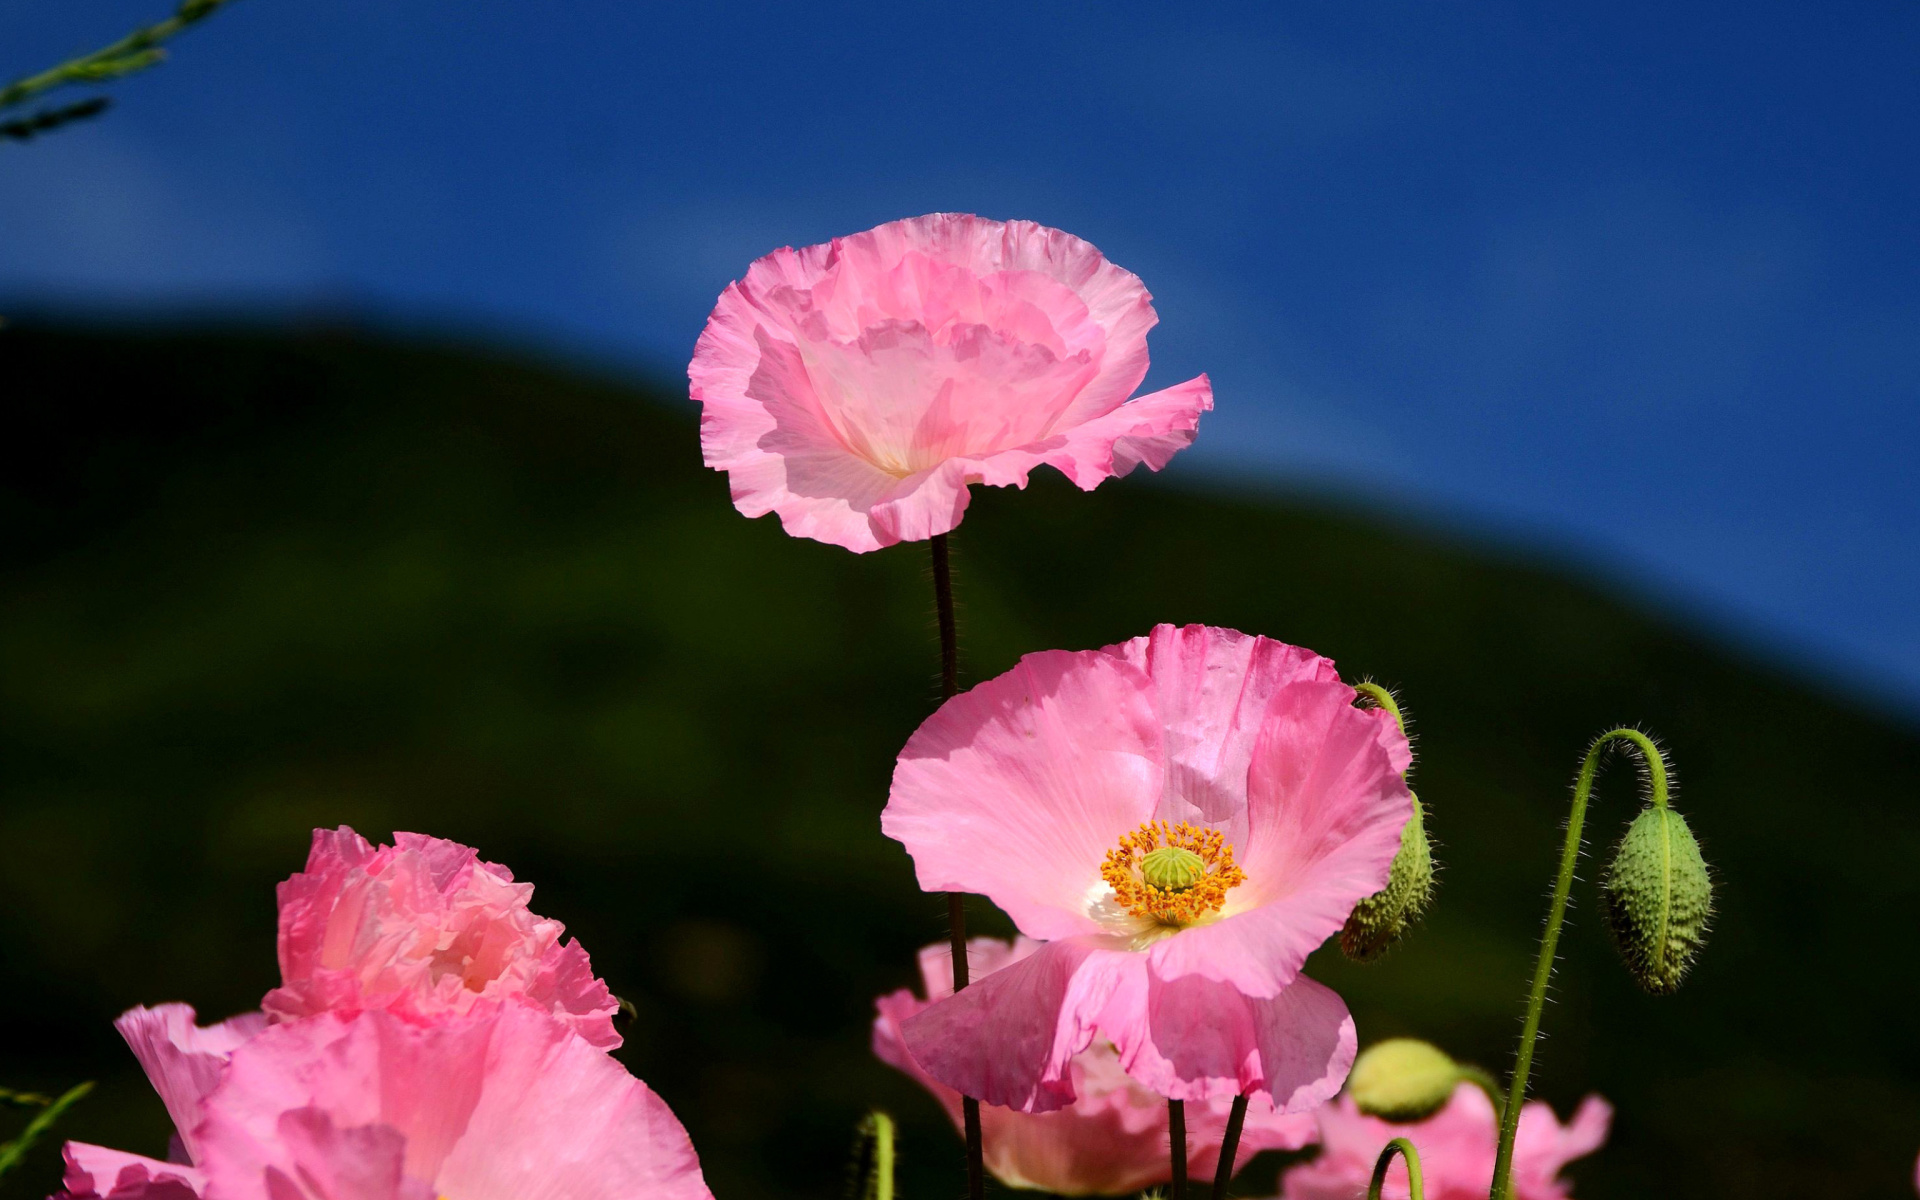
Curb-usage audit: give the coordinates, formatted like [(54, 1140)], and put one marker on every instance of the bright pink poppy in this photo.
[(1182, 819), (857, 388), (1457, 1147), (1113, 1139), (493, 1105), (424, 927)]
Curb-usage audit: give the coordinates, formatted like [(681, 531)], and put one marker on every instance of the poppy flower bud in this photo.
[(1378, 921), (1659, 898), (1403, 1080)]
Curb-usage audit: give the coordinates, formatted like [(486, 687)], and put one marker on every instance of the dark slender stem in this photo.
[(1229, 1147), (1177, 1145), (956, 901), (943, 602)]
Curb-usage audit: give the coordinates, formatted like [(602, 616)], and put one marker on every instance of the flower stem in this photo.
[(956, 901), (1655, 767), (1177, 1145), (137, 51), (1229, 1147), (1416, 1188)]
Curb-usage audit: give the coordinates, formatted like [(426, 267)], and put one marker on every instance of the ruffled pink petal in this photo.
[(505, 1105), (1325, 806), (424, 927), (1542, 1147), (1009, 1039), (97, 1173), (857, 388), (184, 1061), (1017, 788), (324, 1162), (560, 1118), (1149, 430), (1195, 1039), (1212, 688), (1112, 1139)]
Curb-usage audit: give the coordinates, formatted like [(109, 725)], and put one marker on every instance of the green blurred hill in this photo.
[(252, 583)]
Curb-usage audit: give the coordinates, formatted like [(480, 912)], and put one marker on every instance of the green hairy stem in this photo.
[(1655, 767)]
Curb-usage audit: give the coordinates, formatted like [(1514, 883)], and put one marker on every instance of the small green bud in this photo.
[(1402, 1079), (1378, 921), (1659, 898), (1172, 868)]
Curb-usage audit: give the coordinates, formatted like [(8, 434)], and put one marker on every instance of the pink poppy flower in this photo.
[(492, 1105), (857, 388), (424, 927), (1457, 1147), (1182, 819), (1113, 1139)]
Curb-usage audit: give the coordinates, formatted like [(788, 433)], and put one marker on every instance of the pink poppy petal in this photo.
[(424, 926), (500, 1105), (1009, 1038), (184, 1061), (97, 1173), (328, 1163), (1457, 1149), (1325, 807), (1212, 688), (1196, 1039), (1017, 788)]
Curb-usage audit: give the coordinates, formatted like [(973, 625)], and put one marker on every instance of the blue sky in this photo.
[(1639, 282)]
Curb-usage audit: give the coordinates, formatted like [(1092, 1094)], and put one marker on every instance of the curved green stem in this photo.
[(12, 1152), (1484, 1080), (1655, 767), (1416, 1189), (134, 52), (1382, 698)]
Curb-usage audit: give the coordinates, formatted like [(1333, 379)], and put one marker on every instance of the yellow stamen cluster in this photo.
[(1198, 888)]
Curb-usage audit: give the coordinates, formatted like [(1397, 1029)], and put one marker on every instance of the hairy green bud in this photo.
[(1403, 1079), (1378, 921), (1659, 898)]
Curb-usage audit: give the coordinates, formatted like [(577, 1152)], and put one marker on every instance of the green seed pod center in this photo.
[(1173, 868)]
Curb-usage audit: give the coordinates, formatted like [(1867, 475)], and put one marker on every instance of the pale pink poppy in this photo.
[(1112, 1139), (858, 387), (498, 1104), (1457, 1147), (424, 927), (1182, 819)]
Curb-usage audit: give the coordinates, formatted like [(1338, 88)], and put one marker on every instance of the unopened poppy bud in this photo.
[(1378, 921), (1402, 1079), (1659, 898)]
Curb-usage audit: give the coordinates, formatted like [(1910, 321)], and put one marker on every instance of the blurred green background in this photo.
[(259, 581)]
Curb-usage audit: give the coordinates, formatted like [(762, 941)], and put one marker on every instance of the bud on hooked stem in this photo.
[(1416, 1188), (1379, 921), (1403, 1080), (1657, 888)]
